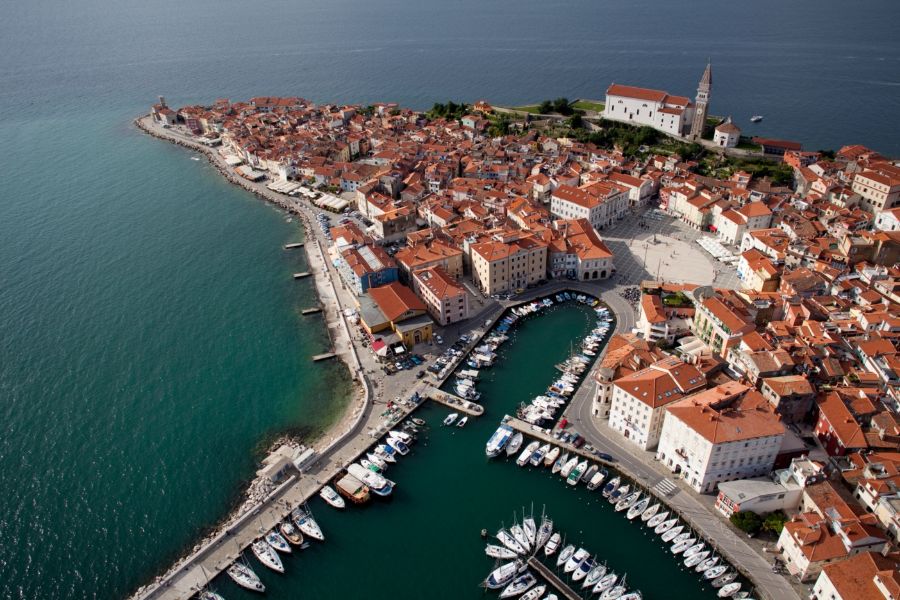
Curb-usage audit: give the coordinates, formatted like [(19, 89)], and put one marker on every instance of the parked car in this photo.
[(604, 456)]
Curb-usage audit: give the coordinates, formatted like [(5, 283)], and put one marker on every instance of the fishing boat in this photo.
[(244, 576), (559, 463), (596, 479), (534, 593), (304, 521), (665, 526), (575, 560), (498, 441), (378, 484), (606, 582), (450, 419), (267, 556), (370, 465), (515, 442), (495, 551), (330, 496), (403, 436), (594, 575), (575, 476), (729, 590), (353, 488), (508, 540), (291, 533), (462, 422), (519, 534), (538, 457), (683, 545), (586, 566), (695, 559), (565, 555), (657, 519), (569, 467), (530, 528), (552, 544), (503, 574), (386, 453), (637, 508), (544, 532), (628, 501), (525, 456), (551, 456), (611, 485), (649, 513), (519, 585), (277, 541), (714, 572)]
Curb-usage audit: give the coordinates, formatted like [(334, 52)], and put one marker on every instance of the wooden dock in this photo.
[(302, 275), (311, 311), (552, 579), (292, 246), (325, 356), (455, 402)]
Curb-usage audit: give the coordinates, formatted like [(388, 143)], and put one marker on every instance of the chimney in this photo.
[(162, 101)]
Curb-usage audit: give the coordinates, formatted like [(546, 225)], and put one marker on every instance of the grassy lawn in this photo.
[(585, 105), (529, 108), (745, 145)]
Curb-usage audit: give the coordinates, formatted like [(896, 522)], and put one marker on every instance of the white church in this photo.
[(673, 115)]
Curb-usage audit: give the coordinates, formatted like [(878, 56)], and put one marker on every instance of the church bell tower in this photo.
[(702, 102)]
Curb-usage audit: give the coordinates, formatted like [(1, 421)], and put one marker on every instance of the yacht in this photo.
[(462, 422), (291, 533), (551, 456), (370, 465), (386, 453), (519, 533), (277, 541), (507, 539), (586, 566), (611, 485), (569, 467), (515, 442), (552, 544), (616, 592), (714, 572), (594, 576), (695, 549), (632, 596), (589, 474), (729, 590), (503, 574), (304, 521), (606, 582), (695, 559), (525, 456), (575, 560), (245, 577), (330, 496), (565, 555), (267, 555), (495, 551), (756, 118), (649, 513), (450, 419), (538, 457), (535, 593), (683, 545), (398, 445), (619, 493), (498, 441), (530, 528), (559, 463), (707, 564), (209, 595), (657, 519), (637, 508), (671, 534), (543, 533), (575, 476), (519, 585), (628, 501), (403, 436), (596, 479), (665, 526)]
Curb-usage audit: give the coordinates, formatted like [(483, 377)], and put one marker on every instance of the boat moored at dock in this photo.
[(245, 577), (267, 556), (331, 497), (498, 441), (304, 521)]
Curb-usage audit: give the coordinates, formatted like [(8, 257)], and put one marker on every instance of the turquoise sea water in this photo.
[(149, 339)]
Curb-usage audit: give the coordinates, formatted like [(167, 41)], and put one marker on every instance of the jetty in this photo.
[(302, 275), (561, 586), (324, 356), (527, 429), (455, 402), (311, 311), (294, 245)]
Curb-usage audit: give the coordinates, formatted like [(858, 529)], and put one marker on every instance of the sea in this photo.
[(151, 345)]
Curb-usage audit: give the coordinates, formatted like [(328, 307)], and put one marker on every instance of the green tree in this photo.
[(575, 121), (749, 522), (774, 522), (561, 105), (545, 107)]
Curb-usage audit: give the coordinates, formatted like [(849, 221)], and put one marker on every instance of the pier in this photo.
[(311, 311), (294, 245), (560, 585), (456, 403), (325, 356), (302, 275), (536, 432)]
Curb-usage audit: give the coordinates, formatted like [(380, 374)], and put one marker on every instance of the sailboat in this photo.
[(244, 576), (277, 541), (544, 532), (304, 521), (495, 551), (552, 544), (267, 556)]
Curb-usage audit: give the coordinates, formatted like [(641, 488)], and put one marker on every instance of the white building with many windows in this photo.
[(654, 108), (601, 205)]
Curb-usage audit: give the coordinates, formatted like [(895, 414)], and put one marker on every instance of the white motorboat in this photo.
[(386, 453), (636, 595), (728, 577), (551, 456), (519, 585), (756, 118), (616, 592), (304, 521), (244, 576), (575, 475), (503, 552), (575, 560), (683, 545), (507, 539), (665, 526), (498, 441), (596, 480), (330, 496), (534, 593), (370, 465), (291, 533), (568, 467), (649, 513), (637, 508), (589, 474), (565, 555), (209, 595), (606, 582), (398, 445), (657, 519), (519, 534), (729, 590), (374, 481), (695, 559), (619, 494), (267, 556), (377, 460), (538, 457), (544, 532), (277, 541), (402, 436), (669, 535), (525, 456), (515, 442), (462, 422), (595, 575), (586, 566), (530, 528), (503, 574), (560, 463), (450, 419), (612, 485), (552, 544), (681, 537)]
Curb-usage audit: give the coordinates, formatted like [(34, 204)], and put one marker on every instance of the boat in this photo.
[(277, 541), (628, 501), (450, 419), (498, 441), (495, 551), (565, 555), (586, 566), (683, 545), (681, 537), (552, 544), (267, 556), (560, 462), (707, 564), (244, 576), (614, 593), (544, 532), (756, 118), (637, 508), (714, 572), (525, 456), (353, 488), (575, 560), (657, 519), (669, 535), (534, 593), (403, 436), (538, 457), (503, 574), (596, 479), (649, 513), (591, 471), (519, 585), (530, 528), (619, 493), (398, 445), (611, 485), (729, 590), (695, 549), (575, 476), (386, 453), (519, 534), (515, 442), (551, 456), (418, 421), (606, 582), (330, 496), (569, 467), (209, 595), (665, 526), (724, 579), (594, 576), (636, 595), (462, 422), (304, 521), (291, 533), (508, 540), (695, 559)]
